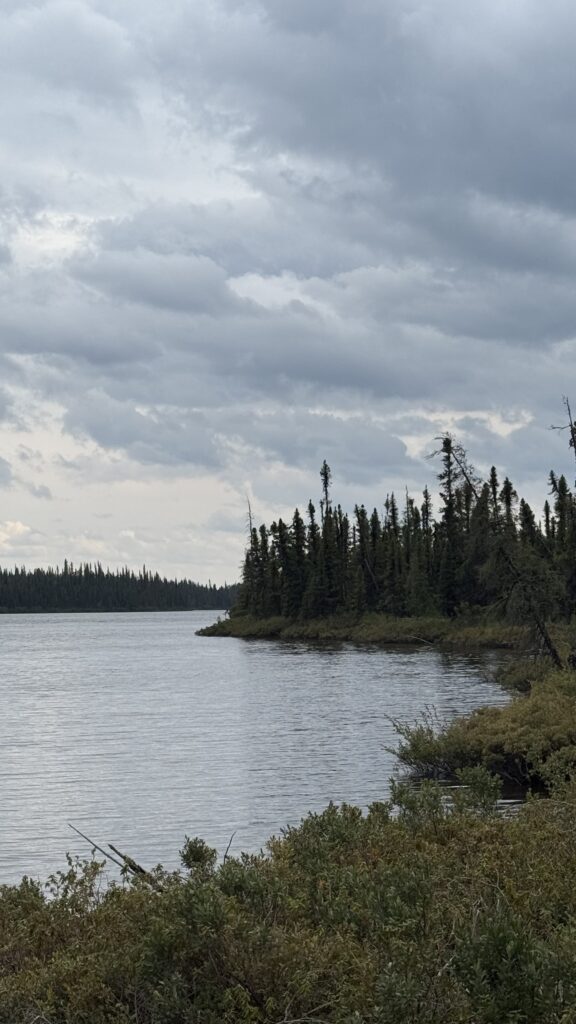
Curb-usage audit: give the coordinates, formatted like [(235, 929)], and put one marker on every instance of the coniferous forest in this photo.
[(483, 547), (87, 587)]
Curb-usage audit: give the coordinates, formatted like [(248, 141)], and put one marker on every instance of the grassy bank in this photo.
[(531, 741), (412, 912), (374, 628)]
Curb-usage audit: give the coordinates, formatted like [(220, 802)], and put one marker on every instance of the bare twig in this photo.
[(308, 1019), (126, 862), (228, 848), (95, 845)]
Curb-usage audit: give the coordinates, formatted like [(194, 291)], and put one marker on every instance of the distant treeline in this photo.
[(484, 549), (86, 587)]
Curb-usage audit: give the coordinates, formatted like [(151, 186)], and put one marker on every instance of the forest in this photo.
[(485, 548), (87, 587)]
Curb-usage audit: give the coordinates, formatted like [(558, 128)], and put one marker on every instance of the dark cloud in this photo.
[(40, 491), (359, 446), (194, 284), (431, 94), (5, 473), (148, 436), (5, 404)]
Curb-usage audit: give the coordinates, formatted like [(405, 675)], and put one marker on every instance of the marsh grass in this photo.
[(465, 633)]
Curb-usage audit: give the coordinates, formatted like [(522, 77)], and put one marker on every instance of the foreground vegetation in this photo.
[(413, 912)]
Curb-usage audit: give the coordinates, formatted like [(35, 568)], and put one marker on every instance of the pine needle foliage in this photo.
[(484, 551)]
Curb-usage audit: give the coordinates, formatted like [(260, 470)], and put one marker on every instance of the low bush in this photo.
[(520, 674), (416, 911), (515, 741)]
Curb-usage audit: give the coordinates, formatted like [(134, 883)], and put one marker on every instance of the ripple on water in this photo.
[(139, 732)]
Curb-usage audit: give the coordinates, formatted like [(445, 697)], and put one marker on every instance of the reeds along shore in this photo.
[(374, 628)]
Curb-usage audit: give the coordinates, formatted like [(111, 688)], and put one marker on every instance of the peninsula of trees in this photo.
[(485, 549), (91, 588)]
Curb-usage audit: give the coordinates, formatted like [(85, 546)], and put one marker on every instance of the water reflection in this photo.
[(140, 732)]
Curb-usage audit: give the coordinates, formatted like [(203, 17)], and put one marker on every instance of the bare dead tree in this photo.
[(570, 426)]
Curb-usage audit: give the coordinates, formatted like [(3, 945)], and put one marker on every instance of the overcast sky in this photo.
[(240, 237)]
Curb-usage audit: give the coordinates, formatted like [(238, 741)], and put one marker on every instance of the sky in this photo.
[(241, 237)]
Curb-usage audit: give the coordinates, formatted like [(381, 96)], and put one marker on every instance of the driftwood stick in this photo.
[(228, 847), (95, 845), (133, 866), (137, 869)]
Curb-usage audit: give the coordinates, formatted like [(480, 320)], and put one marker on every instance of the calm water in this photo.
[(139, 732)]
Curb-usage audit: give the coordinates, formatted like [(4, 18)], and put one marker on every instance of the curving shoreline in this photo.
[(375, 629), (529, 742), (414, 910)]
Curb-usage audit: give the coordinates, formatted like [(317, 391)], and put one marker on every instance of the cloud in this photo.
[(193, 284), (68, 45), (5, 473), (5, 404), (40, 491), (241, 237), (13, 533), (156, 436)]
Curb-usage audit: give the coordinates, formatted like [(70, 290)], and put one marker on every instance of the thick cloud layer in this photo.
[(239, 237)]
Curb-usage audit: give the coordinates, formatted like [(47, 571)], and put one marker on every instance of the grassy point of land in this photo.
[(374, 629), (531, 740)]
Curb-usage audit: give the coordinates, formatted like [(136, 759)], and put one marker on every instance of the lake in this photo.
[(139, 732)]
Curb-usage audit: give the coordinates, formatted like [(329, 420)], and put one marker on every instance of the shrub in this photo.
[(415, 911), (515, 741)]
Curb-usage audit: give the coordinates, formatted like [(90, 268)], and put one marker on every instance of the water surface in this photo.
[(139, 732)]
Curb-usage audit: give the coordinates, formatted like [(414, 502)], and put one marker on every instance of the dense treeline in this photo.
[(89, 587), (485, 549)]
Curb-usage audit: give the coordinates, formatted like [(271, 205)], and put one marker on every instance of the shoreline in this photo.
[(471, 911), (530, 742), (377, 629)]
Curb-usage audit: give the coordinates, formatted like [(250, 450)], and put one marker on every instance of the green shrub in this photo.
[(521, 674), (515, 741), (416, 911)]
